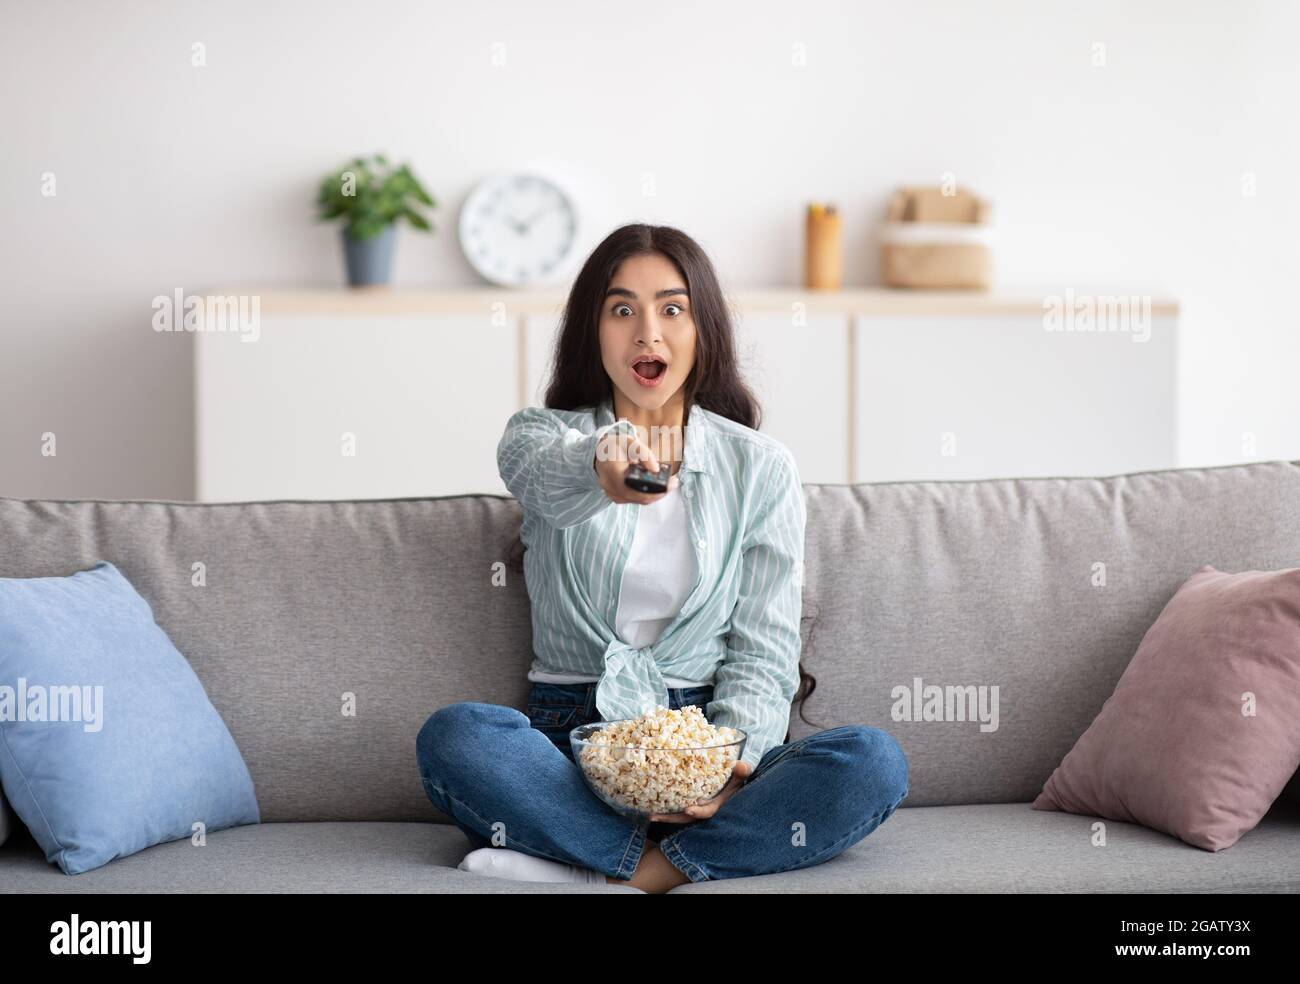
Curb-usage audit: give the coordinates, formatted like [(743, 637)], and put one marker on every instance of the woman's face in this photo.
[(646, 312)]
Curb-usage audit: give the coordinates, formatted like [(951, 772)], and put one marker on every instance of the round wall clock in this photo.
[(518, 229)]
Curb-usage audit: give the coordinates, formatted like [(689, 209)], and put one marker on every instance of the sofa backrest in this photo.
[(293, 612), (1040, 587), (387, 604)]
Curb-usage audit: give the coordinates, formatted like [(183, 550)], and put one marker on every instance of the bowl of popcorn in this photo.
[(661, 762)]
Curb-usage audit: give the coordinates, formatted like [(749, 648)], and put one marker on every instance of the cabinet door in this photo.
[(1003, 397), (800, 373), (346, 407)]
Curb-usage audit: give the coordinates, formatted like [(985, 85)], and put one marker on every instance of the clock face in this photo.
[(518, 229)]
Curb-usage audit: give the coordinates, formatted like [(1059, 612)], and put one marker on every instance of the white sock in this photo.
[(501, 862)]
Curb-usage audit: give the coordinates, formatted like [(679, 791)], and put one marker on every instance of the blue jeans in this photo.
[(495, 770)]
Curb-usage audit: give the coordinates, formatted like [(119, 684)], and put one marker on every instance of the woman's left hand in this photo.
[(703, 811)]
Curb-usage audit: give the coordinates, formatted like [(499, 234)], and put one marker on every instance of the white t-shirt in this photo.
[(657, 580)]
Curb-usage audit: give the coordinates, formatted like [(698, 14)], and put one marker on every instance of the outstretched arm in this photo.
[(549, 466)]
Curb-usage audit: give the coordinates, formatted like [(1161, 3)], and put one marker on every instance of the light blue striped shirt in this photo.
[(739, 626)]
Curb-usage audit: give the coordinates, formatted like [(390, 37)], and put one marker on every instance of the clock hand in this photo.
[(532, 218)]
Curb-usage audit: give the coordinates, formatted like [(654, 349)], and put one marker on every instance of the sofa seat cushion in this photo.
[(1009, 847), (1006, 847), (326, 857)]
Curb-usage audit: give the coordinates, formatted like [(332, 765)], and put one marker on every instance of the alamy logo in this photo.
[(51, 704), (1097, 312), (242, 314), (930, 702), (105, 938)]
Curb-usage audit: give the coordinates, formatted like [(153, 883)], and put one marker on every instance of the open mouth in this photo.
[(649, 368)]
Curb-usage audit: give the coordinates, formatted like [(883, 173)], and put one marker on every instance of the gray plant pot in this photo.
[(369, 261)]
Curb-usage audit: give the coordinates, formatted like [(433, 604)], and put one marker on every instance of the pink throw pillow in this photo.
[(1203, 729)]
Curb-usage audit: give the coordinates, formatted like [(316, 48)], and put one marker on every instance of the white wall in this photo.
[(173, 176)]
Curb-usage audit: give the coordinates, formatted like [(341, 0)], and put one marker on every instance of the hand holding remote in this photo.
[(619, 452)]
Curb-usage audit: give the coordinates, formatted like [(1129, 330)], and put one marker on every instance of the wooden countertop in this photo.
[(883, 301)]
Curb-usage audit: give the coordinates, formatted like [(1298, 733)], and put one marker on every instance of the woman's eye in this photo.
[(620, 308)]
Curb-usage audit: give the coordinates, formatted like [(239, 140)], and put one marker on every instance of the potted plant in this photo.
[(371, 196)]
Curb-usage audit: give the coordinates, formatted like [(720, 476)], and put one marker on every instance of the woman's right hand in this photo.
[(614, 454)]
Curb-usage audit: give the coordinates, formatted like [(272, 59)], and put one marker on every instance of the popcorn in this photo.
[(660, 762)]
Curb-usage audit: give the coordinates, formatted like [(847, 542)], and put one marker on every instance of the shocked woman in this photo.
[(687, 596)]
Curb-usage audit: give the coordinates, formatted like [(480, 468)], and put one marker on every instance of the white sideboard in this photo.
[(344, 394)]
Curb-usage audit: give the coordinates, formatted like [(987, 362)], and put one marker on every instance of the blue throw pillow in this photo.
[(108, 742)]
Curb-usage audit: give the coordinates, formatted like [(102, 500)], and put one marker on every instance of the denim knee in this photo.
[(454, 727), (886, 761), (877, 761)]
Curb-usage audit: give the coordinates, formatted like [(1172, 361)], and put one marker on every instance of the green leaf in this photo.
[(422, 196), (382, 194)]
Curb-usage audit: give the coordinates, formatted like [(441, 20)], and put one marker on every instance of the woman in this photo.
[(688, 596)]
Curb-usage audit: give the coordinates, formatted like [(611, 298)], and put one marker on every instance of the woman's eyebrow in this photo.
[(666, 292)]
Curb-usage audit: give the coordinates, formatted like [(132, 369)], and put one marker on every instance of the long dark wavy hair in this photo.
[(577, 375)]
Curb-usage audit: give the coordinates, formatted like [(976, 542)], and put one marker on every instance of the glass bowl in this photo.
[(637, 782)]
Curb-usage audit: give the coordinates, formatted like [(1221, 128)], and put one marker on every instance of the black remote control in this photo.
[(644, 480)]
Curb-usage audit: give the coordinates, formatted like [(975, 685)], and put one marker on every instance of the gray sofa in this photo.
[(983, 583)]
